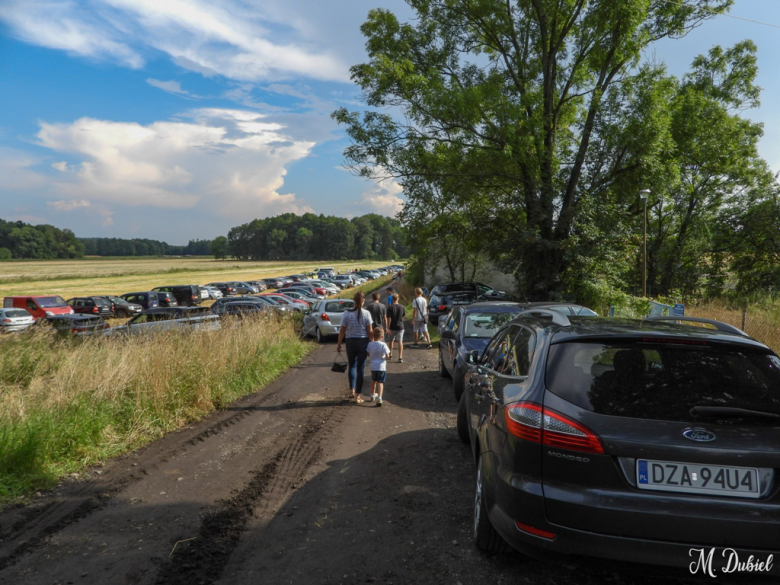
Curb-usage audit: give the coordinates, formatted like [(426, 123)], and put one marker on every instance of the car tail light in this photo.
[(95, 310), (535, 531), (442, 307), (6, 320), (532, 422), (325, 317), (194, 297)]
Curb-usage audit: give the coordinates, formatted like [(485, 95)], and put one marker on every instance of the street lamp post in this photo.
[(643, 195)]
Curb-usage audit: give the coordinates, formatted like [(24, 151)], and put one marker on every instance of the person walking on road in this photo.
[(378, 353), (389, 292), (395, 327), (378, 311), (420, 318), (356, 330)]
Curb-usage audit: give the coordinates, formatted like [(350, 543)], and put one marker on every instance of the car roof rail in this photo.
[(557, 318), (719, 325)]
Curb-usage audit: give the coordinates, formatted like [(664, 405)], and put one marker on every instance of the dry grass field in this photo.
[(94, 276)]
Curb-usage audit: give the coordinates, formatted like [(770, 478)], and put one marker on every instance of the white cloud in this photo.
[(61, 166), (225, 162), (169, 86), (68, 205), (230, 38), (383, 197)]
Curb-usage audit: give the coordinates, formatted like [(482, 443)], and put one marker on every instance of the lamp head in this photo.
[(644, 194)]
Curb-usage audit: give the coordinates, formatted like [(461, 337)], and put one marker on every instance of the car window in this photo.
[(664, 381), (339, 306), (493, 351), (15, 313), (48, 302), (457, 316), (139, 319), (8, 302), (156, 317), (519, 352), (31, 305), (486, 324)]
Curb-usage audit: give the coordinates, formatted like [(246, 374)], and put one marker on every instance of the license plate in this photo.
[(672, 476)]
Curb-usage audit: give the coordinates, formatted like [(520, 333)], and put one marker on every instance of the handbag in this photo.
[(338, 366)]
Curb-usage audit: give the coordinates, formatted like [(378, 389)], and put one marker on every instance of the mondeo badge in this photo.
[(699, 434)]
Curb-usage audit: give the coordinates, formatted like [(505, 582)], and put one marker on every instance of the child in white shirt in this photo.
[(378, 352)]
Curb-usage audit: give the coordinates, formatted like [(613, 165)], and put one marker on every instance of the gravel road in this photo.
[(292, 484)]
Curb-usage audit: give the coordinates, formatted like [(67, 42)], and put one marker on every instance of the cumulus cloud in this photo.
[(61, 166), (230, 162), (229, 38), (383, 197), (68, 205)]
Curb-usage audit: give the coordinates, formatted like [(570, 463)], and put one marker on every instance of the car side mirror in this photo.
[(448, 334)]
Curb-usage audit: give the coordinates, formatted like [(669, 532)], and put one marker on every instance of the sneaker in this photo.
[(374, 396), (400, 360), (379, 402), (415, 345), (430, 346)]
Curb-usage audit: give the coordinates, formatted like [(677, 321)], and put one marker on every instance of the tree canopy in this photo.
[(532, 125)]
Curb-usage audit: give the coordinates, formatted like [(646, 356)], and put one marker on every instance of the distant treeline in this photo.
[(142, 247), (318, 237), (39, 242)]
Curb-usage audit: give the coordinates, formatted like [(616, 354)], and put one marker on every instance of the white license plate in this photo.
[(692, 478)]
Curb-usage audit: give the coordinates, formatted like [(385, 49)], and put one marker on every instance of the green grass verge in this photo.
[(66, 404)]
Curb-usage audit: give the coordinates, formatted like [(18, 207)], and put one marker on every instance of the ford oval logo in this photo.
[(699, 435)]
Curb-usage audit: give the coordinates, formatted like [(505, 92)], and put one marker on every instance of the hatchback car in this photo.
[(224, 287), (466, 329), (186, 295), (14, 320), (442, 304), (293, 304), (91, 306), (324, 319), (121, 307), (167, 299), (486, 291), (147, 300), (262, 301), (79, 325), (258, 284), (627, 439), (274, 282)]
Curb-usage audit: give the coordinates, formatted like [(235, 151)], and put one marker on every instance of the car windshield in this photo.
[(49, 302), (338, 306), (102, 302), (486, 324), (664, 381), (15, 313), (118, 301)]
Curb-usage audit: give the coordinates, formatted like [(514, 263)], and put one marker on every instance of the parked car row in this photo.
[(630, 439)]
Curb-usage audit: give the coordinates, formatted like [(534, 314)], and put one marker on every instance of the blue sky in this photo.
[(174, 119)]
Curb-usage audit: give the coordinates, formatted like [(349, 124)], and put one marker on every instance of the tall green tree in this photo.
[(505, 96), (219, 247)]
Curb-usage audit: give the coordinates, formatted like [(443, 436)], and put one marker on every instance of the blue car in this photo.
[(469, 328)]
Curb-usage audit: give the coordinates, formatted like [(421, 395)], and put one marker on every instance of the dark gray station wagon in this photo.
[(640, 440)]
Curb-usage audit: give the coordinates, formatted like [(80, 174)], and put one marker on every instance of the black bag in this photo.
[(339, 367)]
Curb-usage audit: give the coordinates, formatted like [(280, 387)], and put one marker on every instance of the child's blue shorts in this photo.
[(378, 376)]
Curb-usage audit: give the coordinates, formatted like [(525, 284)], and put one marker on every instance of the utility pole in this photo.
[(643, 195)]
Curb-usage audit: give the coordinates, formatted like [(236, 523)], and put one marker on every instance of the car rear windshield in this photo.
[(16, 313), (665, 380), (48, 302), (102, 302), (486, 324), (338, 306)]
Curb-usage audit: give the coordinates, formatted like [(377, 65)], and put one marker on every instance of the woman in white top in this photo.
[(356, 329)]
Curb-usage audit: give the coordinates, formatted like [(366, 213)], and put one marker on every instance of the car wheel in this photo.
[(463, 422), (442, 368), (458, 384), (485, 536), (318, 335)]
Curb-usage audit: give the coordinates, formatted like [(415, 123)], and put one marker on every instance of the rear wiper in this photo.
[(729, 411)]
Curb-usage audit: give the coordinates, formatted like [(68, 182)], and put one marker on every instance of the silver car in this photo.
[(14, 320), (244, 288), (324, 318), (163, 319), (213, 292)]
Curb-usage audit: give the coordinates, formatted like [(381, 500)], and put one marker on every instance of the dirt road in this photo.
[(289, 485)]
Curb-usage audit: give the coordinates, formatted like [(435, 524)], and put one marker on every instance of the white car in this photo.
[(213, 292), (12, 319)]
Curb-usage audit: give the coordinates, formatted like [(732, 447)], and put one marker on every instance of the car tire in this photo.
[(463, 422), (485, 536), (442, 368), (458, 384), (318, 335)]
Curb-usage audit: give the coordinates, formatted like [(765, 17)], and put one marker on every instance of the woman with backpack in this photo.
[(356, 330)]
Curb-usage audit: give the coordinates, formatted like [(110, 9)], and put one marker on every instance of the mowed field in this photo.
[(93, 276)]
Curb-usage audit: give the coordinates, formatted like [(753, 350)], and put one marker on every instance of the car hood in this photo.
[(475, 343)]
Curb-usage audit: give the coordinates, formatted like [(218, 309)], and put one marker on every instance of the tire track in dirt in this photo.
[(202, 560)]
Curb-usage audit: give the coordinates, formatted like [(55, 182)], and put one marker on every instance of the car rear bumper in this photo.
[(683, 556), (15, 327), (517, 499), (328, 329)]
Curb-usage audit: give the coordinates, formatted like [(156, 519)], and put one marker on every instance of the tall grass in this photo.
[(69, 403)]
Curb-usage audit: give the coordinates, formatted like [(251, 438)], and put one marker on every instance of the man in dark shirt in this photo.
[(378, 311), (395, 327)]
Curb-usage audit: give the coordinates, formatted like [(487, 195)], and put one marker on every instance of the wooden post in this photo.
[(744, 318)]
